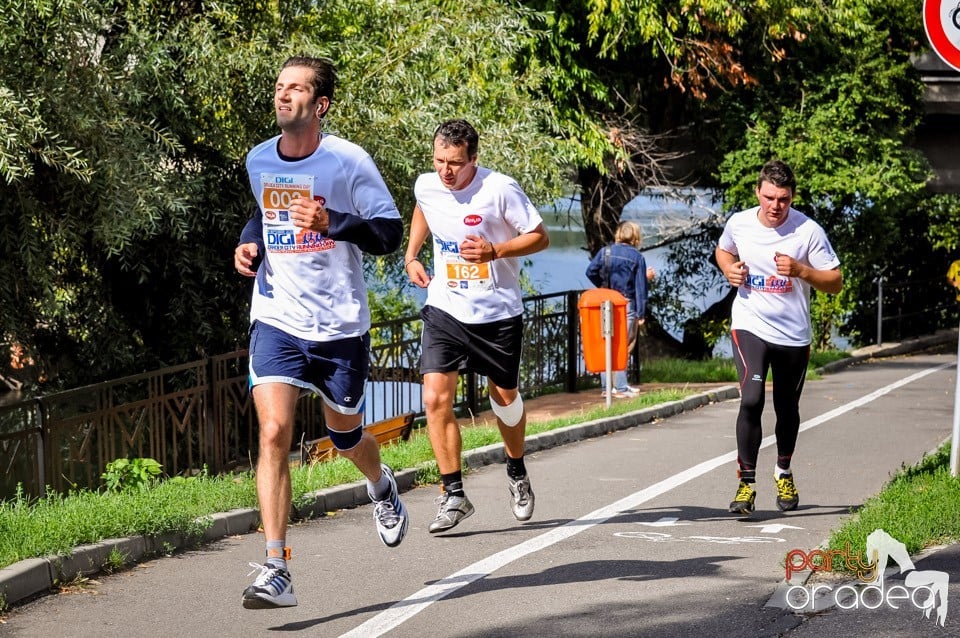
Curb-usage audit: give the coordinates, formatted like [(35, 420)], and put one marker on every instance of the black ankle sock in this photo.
[(516, 469), (453, 483), (747, 476), (783, 462)]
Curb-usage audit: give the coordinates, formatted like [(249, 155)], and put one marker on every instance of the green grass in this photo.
[(918, 507), (820, 358), (58, 523), (717, 370)]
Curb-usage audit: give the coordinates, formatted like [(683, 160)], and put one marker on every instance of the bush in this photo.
[(123, 475)]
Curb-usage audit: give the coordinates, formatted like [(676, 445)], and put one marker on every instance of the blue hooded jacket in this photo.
[(621, 267)]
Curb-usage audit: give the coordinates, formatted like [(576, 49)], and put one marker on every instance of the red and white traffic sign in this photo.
[(941, 20)]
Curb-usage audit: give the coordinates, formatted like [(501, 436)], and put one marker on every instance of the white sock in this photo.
[(777, 471), (379, 489), (277, 547)]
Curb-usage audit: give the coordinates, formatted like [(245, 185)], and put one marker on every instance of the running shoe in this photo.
[(272, 588), (390, 514), (521, 494), (787, 496), (743, 502), (622, 394), (453, 509)]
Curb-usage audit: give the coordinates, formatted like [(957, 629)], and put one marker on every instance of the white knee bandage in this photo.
[(509, 414)]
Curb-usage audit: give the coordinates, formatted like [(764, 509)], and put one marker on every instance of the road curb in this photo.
[(939, 338), (32, 577)]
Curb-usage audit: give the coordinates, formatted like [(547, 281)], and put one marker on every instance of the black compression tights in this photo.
[(788, 368)]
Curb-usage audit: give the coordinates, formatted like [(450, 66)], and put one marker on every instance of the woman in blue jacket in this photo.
[(621, 267)]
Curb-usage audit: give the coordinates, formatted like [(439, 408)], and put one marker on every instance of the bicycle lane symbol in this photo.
[(661, 537)]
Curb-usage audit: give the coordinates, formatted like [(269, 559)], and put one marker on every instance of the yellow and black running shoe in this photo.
[(742, 503), (787, 496)]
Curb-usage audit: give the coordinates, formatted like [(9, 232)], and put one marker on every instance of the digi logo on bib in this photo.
[(448, 246), (771, 284), (281, 239), (472, 220)]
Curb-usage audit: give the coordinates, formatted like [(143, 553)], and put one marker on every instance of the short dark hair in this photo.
[(459, 133), (778, 174), (324, 74)]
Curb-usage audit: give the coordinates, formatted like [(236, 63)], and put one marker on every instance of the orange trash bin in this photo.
[(591, 330)]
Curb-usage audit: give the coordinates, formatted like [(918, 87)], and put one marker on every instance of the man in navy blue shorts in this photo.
[(321, 204)]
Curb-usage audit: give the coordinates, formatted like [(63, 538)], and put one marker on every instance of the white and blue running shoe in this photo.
[(390, 514), (272, 588)]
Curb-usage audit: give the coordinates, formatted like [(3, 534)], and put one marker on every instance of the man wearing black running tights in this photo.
[(773, 254)]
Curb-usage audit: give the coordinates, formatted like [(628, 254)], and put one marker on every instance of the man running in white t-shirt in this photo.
[(774, 254), (481, 222), (322, 203)]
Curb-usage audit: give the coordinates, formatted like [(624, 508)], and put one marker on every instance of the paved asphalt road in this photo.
[(630, 538)]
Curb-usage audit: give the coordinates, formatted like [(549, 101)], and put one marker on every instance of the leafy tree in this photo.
[(638, 84), (126, 125), (827, 87)]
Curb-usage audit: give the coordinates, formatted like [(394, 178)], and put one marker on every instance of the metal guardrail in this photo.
[(898, 316), (200, 413)]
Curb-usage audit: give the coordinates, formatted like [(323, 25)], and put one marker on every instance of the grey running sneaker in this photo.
[(272, 588), (522, 498), (453, 509), (390, 514)]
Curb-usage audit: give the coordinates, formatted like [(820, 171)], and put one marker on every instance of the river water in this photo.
[(563, 265)]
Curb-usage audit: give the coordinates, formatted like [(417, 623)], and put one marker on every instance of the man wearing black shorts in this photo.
[(773, 254), (481, 222)]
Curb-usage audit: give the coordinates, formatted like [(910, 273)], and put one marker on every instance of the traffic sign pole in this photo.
[(955, 441), (953, 276)]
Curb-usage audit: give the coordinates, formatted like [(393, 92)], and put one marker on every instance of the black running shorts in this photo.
[(490, 349)]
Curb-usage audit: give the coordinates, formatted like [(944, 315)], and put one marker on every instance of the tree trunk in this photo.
[(601, 203)]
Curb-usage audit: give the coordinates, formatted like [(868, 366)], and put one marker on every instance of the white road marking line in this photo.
[(400, 612), (774, 528), (666, 521)]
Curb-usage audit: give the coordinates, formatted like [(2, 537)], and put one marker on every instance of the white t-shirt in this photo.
[(309, 285), (492, 206), (772, 307)]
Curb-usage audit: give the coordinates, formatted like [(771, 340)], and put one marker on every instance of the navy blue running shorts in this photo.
[(335, 370), (490, 349)]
